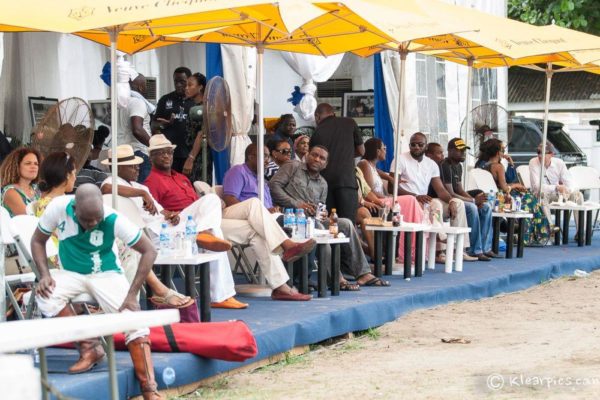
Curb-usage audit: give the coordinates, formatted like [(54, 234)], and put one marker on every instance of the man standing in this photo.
[(171, 114), (300, 185), (342, 137), (134, 123), (86, 230), (175, 193), (479, 212), (247, 221)]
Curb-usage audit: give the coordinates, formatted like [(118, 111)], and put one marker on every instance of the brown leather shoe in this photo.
[(292, 295), (91, 353), (139, 350), (298, 250), (210, 242)]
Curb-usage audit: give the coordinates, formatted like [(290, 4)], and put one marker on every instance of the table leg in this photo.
[(322, 272), (407, 254), (390, 252), (290, 271), (565, 229), (165, 275), (521, 238), (557, 217), (580, 231), (496, 235), (204, 291), (449, 253), (335, 266), (112, 367), (460, 246), (588, 228), (419, 254), (431, 257), (424, 250), (510, 238), (304, 275), (378, 253)]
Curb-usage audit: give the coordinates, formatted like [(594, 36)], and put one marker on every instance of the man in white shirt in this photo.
[(205, 211), (557, 180), (134, 124)]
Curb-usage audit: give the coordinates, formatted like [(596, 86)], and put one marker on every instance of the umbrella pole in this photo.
[(400, 120), (468, 120), (113, 33), (549, 73), (261, 126)]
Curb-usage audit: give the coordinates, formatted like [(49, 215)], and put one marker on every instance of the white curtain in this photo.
[(239, 70), (312, 69)]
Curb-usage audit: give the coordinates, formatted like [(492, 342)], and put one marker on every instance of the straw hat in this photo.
[(160, 142), (125, 156)]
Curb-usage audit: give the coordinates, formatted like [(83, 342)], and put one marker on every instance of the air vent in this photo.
[(333, 88), (151, 92)]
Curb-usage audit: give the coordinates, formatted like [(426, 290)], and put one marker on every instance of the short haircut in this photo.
[(249, 149), (324, 108), (418, 134), (371, 147), (319, 146), (431, 147), (183, 70), (272, 145)]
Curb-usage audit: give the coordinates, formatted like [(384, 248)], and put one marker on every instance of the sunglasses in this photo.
[(540, 153), (417, 144), (284, 152)]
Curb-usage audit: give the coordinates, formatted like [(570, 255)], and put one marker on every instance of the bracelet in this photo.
[(191, 157)]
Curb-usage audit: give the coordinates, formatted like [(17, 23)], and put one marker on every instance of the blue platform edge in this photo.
[(281, 326)]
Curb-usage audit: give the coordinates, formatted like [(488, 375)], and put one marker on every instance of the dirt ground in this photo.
[(541, 343)]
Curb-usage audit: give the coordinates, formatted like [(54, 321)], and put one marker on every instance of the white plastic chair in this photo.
[(127, 207), (524, 175), (585, 177), (482, 180)]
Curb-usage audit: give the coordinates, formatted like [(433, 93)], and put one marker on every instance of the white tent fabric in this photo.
[(239, 70), (311, 69)]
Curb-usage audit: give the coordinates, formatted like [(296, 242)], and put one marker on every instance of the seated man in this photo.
[(557, 179), (175, 193), (300, 185), (86, 231), (246, 220), (479, 212)]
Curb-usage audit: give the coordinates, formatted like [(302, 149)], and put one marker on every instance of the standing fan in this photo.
[(215, 113), (486, 117), (67, 126)]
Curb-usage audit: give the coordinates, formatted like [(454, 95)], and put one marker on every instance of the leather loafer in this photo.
[(298, 250), (483, 257), (212, 243), (491, 254), (292, 296)]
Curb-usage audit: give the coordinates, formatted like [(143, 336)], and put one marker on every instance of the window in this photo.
[(431, 96), (524, 139), (484, 86)]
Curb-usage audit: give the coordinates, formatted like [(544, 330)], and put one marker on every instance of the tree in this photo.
[(581, 15)]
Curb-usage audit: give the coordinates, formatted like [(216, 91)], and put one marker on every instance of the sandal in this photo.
[(378, 282), (349, 287), (164, 301)]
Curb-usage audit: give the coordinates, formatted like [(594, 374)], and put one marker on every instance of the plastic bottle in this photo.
[(300, 223), (310, 227), (396, 216), (518, 204), (190, 246), (293, 225), (165, 240), (427, 214), (286, 218), (492, 198), (500, 201), (333, 223)]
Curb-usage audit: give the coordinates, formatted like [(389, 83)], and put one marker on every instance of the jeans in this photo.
[(480, 222), (145, 167)]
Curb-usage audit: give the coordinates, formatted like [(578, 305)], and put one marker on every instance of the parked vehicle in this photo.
[(527, 135)]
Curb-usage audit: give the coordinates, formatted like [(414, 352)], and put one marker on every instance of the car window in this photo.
[(562, 141), (524, 139)]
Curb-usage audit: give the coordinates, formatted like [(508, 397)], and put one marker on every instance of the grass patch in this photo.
[(371, 333)]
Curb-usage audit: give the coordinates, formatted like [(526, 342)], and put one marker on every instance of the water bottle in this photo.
[(165, 240), (310, 227), (396, 216), (286, 219), (492, 198), (300, 223), (293, 222), (518, 204), (190, 246)]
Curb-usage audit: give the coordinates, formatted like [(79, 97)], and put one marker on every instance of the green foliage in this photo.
[(581, 15)]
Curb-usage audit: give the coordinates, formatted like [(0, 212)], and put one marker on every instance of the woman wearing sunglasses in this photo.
[(281, 152)]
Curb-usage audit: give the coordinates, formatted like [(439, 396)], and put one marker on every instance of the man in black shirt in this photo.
[(171, 114), (479, 212), (342, 137)]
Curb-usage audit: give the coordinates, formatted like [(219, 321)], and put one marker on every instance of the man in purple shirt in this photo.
[(247, 221)]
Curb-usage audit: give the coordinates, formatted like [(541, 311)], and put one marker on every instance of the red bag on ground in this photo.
[(229, 341)]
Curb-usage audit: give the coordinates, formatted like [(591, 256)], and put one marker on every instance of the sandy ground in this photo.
[(542, 343)]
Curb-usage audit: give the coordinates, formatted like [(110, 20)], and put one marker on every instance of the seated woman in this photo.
[(378, 181), (280, 151), (57, 177), (490, 155), (19, 175), (301, 147), (368, 205), (511, 172)]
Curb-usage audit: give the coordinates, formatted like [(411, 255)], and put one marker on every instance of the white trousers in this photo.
[(460, 220), (108, 288), (249, 222), (206, 213)]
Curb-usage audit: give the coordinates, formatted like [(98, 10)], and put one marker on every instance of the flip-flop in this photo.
[(164, 301), (349, 287), (377, 282)]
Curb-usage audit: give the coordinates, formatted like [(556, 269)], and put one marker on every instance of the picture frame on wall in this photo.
[(360, 106), (38, 107), (101, 111), (335, 102)]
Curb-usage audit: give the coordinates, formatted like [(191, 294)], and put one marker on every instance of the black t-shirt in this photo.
[(177, 132), (339, 135), (451, 173)]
